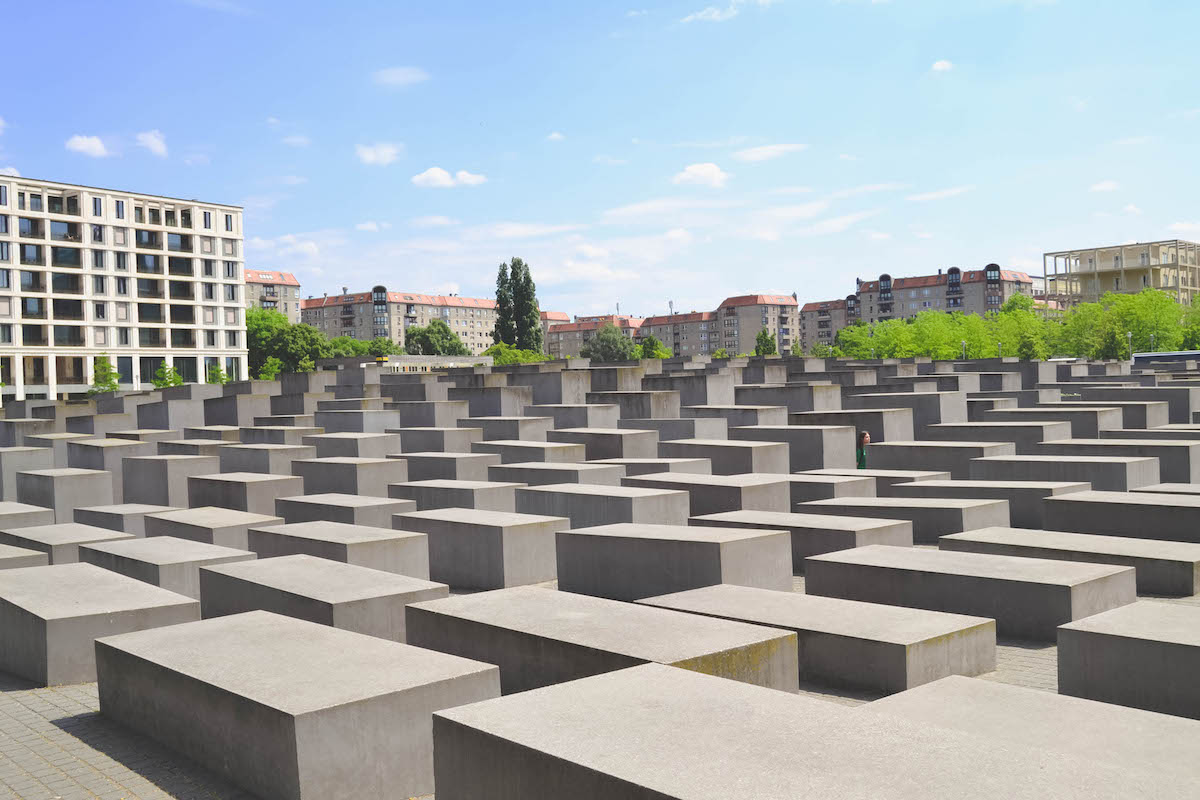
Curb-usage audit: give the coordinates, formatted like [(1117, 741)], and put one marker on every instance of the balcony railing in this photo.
[(31, 228), (68, 336)]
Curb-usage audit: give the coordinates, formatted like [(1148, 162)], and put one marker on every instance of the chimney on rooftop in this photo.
[(343, 290)]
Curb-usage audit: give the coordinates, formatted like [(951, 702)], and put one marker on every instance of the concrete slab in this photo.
[(15, 460), (577, 415), (24, 515), (50, 617), (350, 475), (1104, 473), (613, 442), (483, 495), (106, 455), (540, 637), (288, 708), (587, 505), (1024, 436), (954, 457), (355, 445), (632, 561), (222, 526), (526, 429), (540, 474), (253, 492), (274, 459), (449, 466), (845, 643), (192, 447), (351, 509), (1140, 515), (1024, 497), (931, 516), (648, 466), (1143, 655), (515, 452), (805, 487), (709, 494), (64, 490), (1178, 459), (59, 541), (738, 415), (809, 446), (1028, 597), (164, 561), (1163, 567), (17, 557), (344, 596), (884, 424), (731, 457), (163, 480), (384, 549), (885, 479), (472, 549), (1086, 422), (668, 429)]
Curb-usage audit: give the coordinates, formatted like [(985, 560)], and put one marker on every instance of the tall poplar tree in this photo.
[(526, 314), (505, 329)]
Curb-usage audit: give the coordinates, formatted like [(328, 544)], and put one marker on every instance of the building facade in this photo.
[(971, 292), (551, 318), (693, 333), (564, 340), (1080, 276), (380, 313), (820, 321), (138, 278), (274, 290), (742, 317)]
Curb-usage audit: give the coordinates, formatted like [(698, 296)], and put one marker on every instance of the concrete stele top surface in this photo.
[(739, 443), (685, 479), (1169, 488), (1132, 498), (664, 460), (265, 447), (438, 454), (806, 612), (475, 516), (289, 664), (110, 443), (601, 491), (1082, 543), (10, 551), (216, 517), (651, 634), (127, 508), (163, 550), (1128, 442), (322, 579), (356, 436), (343, 500), (981, 484), (1152, 741), (440, 483), (66, 591), (551, 466), (998, 424), (628, 723), (911, 474), (904, 502), (344, 460), (939, 445), (64, 472), (792, 520), (831, 480), (13, 507), (701, 534), (242, 477), (980, 565), (1148, 620), (1076, 459), (180, 456), (340, 532), (606, 431), (785, 428), (66, 533), (527, 444)]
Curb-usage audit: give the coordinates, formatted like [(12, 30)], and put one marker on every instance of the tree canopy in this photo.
[(502, 354), (653, 348), (434, 339), (608, 344), (764, 343), (505, 329), (105, 377)]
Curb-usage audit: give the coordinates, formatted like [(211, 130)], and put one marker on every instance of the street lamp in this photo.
[(964, 344), (1000, 349), (1129, 338), (1152, 343)]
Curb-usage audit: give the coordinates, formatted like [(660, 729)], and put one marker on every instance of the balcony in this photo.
[(179, 242), (147, 240), (66, 232), (181, 290), (68, 336), (183, 315), (954, 288), (33, 308), (66, 257), (150, 312), (63, 283), (32, 282), (34, 335), (63, 205), (149, 289), (68, 310), (33, 254), (152, 337), (183, 338), (180, 266), (30, 228), (149, 264)]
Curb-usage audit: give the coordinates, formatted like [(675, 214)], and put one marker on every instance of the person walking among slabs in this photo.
[(860, 451)]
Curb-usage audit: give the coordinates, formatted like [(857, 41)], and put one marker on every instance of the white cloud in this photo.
[(610, 161), (438, 178), (942, 66), (380, 153), (837, 224), (296, 140), (637, 13), (555, 136), (432, 221), (663, 207), (1105, 186), (272, 121), (878, 235), (768, 152), (400, 76), (771, 224), (154, 141), (718, 14), (372, 227), (1184, 227), (705, 174), (524, 230), (1132, 209), (801, 211), (870, 188), (3, 125), (732, 141), (87, 145), (11, 172), (940, 194), (792, 190), (293, 180)]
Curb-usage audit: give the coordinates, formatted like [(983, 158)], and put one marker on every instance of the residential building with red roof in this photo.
[(565, 339), (276, 290)]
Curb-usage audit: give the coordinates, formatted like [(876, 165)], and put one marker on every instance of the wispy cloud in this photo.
[(3, 125), (732, 141), (836, 224), (768, 151), (725, 13), (609, 160), (942, 66), (1134, 140), (705, 174), (524, 230), (432, 221), (1105, 186), (371, 226), (641, 12), (87, 145), (11, 172), (296, 140), (293, 180), (870, 188), (555, 136), (1132, 210), (378, 154), (154, 141), (438, 178), (272, 121), (1184, 227), (400, 76), (196, 159), (664, 206), (940, 194)]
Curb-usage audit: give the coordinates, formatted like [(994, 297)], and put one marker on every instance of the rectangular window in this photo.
[(5, 255), (3, 223), (97, 207), (230, 269), (123, 336), (5, 279), (98, 259), (208, 219), (229, 222), (210, 268), (210, 338), (231, 293), (97, 233), (101, 310), (139, 214), (122, 261), (231, 338), (122, 286), (35, 202), (3, 195), (120, 209), (5, 334), (210, 291), (21, 201), (119, 235), (98, 284)]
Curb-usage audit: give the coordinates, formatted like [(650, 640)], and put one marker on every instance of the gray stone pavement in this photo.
[(54, 743)]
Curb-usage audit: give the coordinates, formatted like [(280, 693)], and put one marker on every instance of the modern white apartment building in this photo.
[(1085, 275), (138, 278)]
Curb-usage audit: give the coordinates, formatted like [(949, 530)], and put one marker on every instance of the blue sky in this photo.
[(630, 152)]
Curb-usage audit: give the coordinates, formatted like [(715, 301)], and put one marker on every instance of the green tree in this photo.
[(270, 369), (503, 354), (381, 346), (505, 328), (346, 347), (266, 330), (217, 375), (526, 316), (607, 345), (166, 376), (306, 365), (105, 377), (653, 348), (435, 339), (300, 342), (819, 350), (720, 352), (764, 343)]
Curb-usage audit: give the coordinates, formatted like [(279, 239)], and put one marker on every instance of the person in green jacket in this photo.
[(860, 451)]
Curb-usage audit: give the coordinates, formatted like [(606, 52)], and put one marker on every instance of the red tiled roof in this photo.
[(677, 319), (759, 300), (556, 315), (921, 281), (596, 323), (401, 297), (266, 276), (825, 305)]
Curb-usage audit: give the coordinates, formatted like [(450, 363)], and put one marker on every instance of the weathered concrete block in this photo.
[(1086, 423), (473, 549), (648, 466), (378, 548), (192, 447), (24, 515), (1144, 655), (483, 495), (126, 517), (293, 435), (61, 540), (57, 442), (609, 442), (587, 506), (669, 429), (164, 561), (581, 415), (50, 617), (163, 480), (739, 415), (528, 429), (1104, 473), (1028, 597), (639, 404), (709, 494), (288, 708), (345, 596), (953, 457), (449, 466), (254, 492), (1024, 498), (64, 490), (271, 459), (222, 526), (541, 474), (848, 643), (885, 479), (351, 509), (18, 557), (540, 637), (515, 452), (884, 424), (809, 446), (1178, 459), (106, 455), (345, 475), (1140, 515), (355, 445), (731, 457), (632, 561), (437, 440), (931, 516), (15, 460), (805, 487), (1024, 436)]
